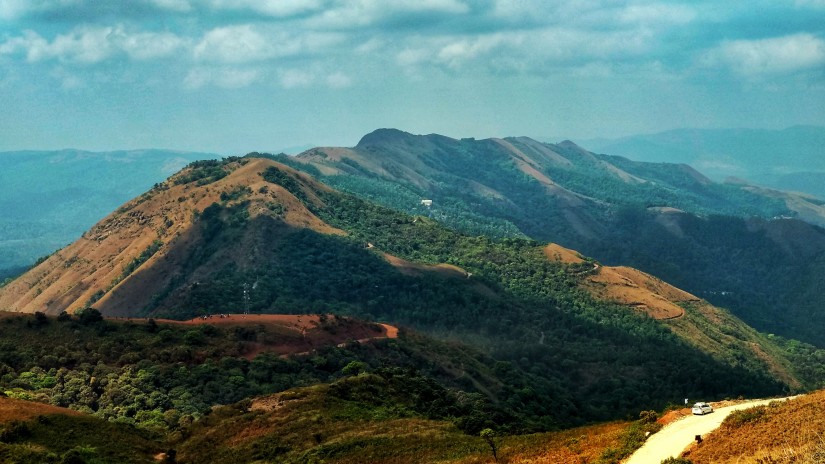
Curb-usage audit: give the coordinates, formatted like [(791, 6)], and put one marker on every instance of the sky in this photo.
[(234, 76)]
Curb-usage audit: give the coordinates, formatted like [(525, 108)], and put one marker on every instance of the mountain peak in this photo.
[(383, 136)]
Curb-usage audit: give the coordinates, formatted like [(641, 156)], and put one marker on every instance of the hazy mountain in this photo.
[(790, 159), (732, 243), (50, 197)]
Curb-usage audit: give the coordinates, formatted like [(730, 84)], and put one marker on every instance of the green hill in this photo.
[(736, 245), (223, 237)]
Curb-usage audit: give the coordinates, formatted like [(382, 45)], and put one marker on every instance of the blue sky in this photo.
[(233, 76)]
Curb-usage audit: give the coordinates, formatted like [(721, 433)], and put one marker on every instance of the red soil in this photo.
[(300, 334)]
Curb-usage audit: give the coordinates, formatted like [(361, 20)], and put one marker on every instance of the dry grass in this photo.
[(576, 446), (13, 409), (307, 425), (781, 433)]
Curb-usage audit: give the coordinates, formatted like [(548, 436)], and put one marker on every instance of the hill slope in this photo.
[(781, 433), (732, 244), (225, 236), (50, 197)]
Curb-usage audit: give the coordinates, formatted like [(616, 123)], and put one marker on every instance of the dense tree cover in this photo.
[(162, 377), (772, 284), (204, 172), (716, 253), (586, 360)]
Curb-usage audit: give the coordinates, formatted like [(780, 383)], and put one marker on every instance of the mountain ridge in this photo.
[(251, 233), (665, 219)]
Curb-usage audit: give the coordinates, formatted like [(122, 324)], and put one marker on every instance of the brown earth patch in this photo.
[(416, 269), (561, 254), (626, 286), (291, 334), (13, 409), (630, 287), (91, 270)]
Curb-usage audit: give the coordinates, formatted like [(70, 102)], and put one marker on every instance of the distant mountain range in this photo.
[(49, 198), (791, 159)]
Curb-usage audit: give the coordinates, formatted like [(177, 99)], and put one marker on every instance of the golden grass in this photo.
[(781, 433), (13, 409), (306, 425)]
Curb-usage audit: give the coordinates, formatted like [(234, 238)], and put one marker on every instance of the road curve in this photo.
[(675, 437)]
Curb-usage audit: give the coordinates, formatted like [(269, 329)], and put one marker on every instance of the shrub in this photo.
[(740, 418)]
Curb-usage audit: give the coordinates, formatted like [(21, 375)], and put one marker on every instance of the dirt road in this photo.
[(675, 437)]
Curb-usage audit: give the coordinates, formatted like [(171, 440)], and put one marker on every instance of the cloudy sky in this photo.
[(232, 76)]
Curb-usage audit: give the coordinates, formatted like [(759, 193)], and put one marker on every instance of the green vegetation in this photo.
[(632, 438), (141, 258), (204, 172), (568, 358), (758, 268), (744, 416), (64, 439)]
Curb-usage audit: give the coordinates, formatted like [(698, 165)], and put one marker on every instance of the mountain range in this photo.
[(789, 159), (533, 284), (753, 250), (249, 234)]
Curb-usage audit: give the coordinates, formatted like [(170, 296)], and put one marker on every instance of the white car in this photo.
[(702, 408)]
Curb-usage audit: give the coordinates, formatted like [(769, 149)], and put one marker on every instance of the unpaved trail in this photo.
[(676, 436)]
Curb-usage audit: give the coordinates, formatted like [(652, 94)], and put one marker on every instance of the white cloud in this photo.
[(528, 50), (456, 53), (12, 9), (182, 6), (234, 44), (150, 45), (83, 45), (358, 13), (247, 43), (811, 3), (89, 45), (224, 77), (657, 14), (68, 80), (444, 6), (781, 55)]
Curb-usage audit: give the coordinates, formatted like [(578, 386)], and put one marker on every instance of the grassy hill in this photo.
[(39, 433), (221, 237), (738, 246), (782, 432)]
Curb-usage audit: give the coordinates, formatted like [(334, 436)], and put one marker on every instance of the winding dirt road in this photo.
[(675, 437)]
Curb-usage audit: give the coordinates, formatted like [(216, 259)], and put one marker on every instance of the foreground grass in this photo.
[(316, 424), (782, 432), (41, 434)]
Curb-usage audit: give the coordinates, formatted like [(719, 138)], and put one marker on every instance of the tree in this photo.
[(88, 316), (489, 435)]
